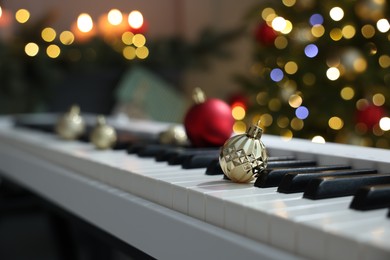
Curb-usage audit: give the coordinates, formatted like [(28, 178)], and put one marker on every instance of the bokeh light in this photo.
[(333, 73), (383, 25), (115, 17), (22, 15), (238, 113), (318, 139), (277, 75), (136, 19), (316, 19), (48, 34), (66, 38), (31, 49), (311, 50), (336, 13), (53, 51), (302, 112), (84, 22)]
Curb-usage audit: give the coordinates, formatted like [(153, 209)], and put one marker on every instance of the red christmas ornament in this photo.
[(370, 115), (208, 122), (265, 34)]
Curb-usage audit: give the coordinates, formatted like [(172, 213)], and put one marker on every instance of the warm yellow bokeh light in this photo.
[(114, 17), (333, 73), (31, 49), (67, 37), (368, 31), (127, 38), (239, 127), (295, 101), (384, 61), (266, 120), (22, 15), (289, 3), (283, 121), (48, 34), (348, 31), (139, 40), (281, 42), (238, 113), (378, 99), (318, 30), (336, 123), (142, 52), (297, 124), (347, 93), (288, 28), (84, 22), (336, 13), (336, 34), (53, 51), (129, 53), (291, 67), (286, 134), (361, 104), (318, 139), (135, 19), (266, 12)]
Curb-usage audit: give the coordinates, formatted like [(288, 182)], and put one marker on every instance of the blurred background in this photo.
[(310, 69)]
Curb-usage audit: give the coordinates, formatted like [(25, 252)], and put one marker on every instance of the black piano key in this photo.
[(273, 178), (297, 182), (331, 187), (371, 197), (198, 161), (289, 163), (215, 169), (168, 153), (152, 150), (180, 158)]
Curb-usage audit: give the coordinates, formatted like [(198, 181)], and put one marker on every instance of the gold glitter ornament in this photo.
[(103, 136), (243, 156), (71, 125)]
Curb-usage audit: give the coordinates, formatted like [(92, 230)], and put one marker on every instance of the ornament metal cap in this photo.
[(198, 96), (255, 131)]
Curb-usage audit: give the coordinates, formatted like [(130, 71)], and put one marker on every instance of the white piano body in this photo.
[(171, 213)]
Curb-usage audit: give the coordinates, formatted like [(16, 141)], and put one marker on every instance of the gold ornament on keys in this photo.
[(243, 156), (174, 135), (71, 125), (103, 136)]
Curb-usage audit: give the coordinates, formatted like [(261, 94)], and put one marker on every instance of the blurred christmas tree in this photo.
[(321, 70)]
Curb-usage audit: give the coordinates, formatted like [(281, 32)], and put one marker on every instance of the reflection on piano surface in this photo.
[(316, 201)]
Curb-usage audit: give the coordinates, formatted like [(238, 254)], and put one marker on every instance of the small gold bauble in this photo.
[(71, 125), (103, 136), (243, 156), (174, 135)]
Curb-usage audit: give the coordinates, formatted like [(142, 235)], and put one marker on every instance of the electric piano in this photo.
[(173, 212)]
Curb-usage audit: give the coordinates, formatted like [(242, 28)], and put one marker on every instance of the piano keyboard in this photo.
[(270, 218)]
